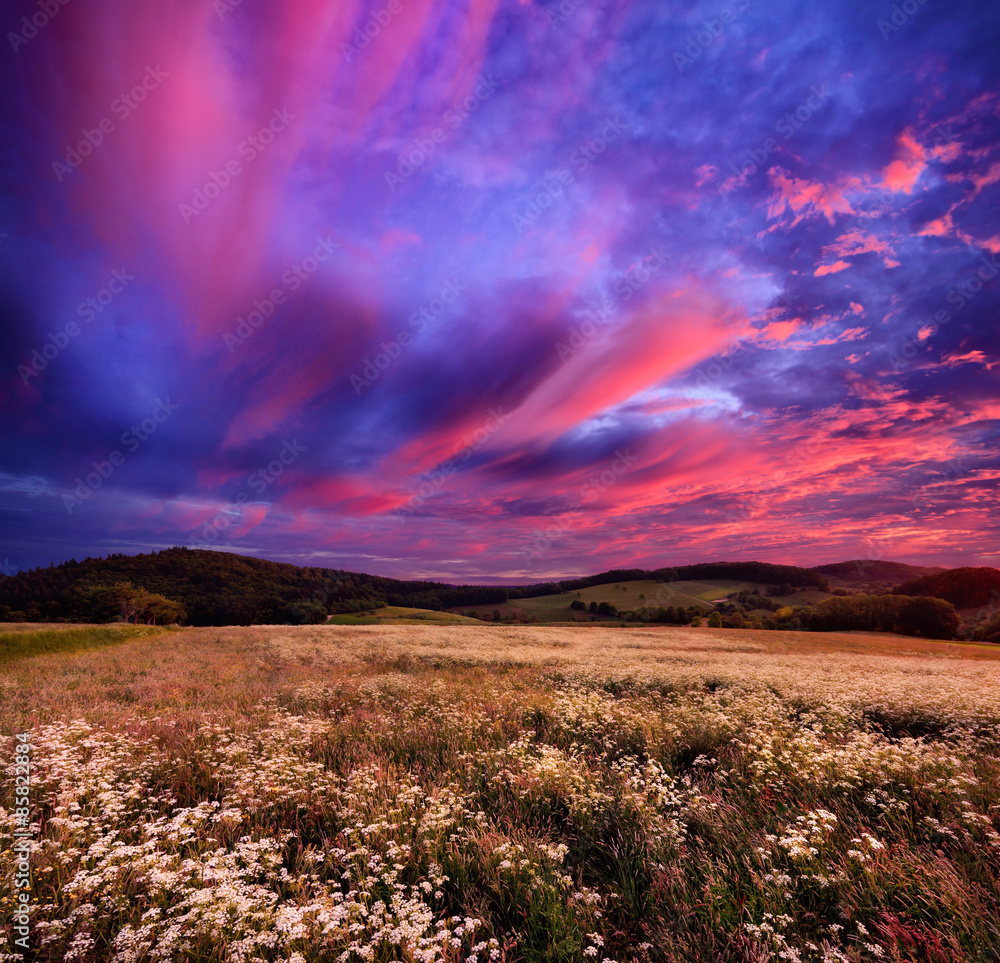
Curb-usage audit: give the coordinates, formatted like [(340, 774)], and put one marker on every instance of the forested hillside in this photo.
[(965, 588), (220, 588), (215, 588), (862, 571)]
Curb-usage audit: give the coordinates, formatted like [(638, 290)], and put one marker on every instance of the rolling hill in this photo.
[(632, 594), (965, 588), (221, 588), (865, 573)]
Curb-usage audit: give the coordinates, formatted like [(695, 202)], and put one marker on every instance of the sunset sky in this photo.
[(489, 290)]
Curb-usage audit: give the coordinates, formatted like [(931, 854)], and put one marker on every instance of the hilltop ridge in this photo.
[(223, 588)]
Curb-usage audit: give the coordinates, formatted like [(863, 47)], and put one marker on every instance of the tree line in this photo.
[(920, 616), (221, 588), (201, 587)]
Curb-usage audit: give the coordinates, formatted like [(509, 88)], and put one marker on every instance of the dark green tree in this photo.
[(931, 618)]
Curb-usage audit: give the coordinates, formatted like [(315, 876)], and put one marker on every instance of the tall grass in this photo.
[(20, 643), (486, 793)]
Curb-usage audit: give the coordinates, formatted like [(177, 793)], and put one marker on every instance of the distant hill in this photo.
[(221, 588), (763, 572), (860, 571), (965, 588), (218, 588)]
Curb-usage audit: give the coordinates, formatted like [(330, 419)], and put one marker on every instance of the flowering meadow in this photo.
[(471, 794)]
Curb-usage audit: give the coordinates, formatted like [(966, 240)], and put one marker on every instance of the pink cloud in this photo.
[(831, 268), (804, 196), (903, 172), (991, 176), (195, 121), (780, 330), (856, 242), (662, 339), (705, 173), (970, 357), (940, 227)]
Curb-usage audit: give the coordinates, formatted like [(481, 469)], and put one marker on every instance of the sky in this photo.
[(500, 291)]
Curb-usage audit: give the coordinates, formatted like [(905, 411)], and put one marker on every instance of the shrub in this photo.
[(305, 613), (990, 632)]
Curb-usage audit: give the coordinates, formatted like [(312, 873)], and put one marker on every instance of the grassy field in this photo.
[(471, 793), (399, 614), (635, 595), (20, 638)]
